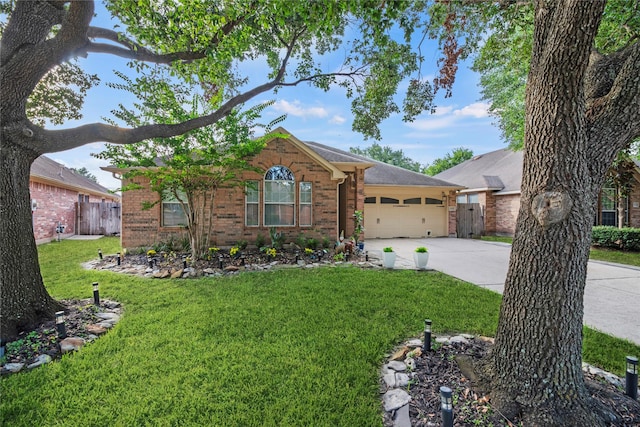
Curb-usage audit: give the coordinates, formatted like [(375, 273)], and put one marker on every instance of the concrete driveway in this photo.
[(612, 294)]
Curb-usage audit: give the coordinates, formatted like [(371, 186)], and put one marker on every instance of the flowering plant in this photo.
[(151, 252), (271, 252), (308, 251), (234, 250), (214, 250)]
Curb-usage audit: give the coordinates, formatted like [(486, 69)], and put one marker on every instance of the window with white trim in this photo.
[(305, 204), (279, 197), (252, 204), (173, 214)]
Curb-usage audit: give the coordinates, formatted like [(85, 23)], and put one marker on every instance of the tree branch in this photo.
[(131, 50), (614, 116), (66, 139)]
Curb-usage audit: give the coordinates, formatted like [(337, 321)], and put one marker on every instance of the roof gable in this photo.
[(49, 170), (499, 170), (336, 173), (376, 172)]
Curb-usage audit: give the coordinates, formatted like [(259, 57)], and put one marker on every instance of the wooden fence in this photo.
[(98, 218), (469, 220)]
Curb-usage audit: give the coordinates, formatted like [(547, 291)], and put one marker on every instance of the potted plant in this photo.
[(421, 257), (388, 257)]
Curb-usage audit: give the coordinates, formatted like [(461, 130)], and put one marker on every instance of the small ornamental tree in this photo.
[(190, 167)]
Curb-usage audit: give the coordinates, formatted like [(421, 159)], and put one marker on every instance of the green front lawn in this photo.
[(291, 347), (609, 255), (620, 257)]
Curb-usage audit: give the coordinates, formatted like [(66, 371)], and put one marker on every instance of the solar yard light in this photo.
[(426, 346), (118, 260), (631, 383), (100, 253), (96, 294), (446, 406), (62, 331)]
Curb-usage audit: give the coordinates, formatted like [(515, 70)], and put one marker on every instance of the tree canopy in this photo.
[(387, 155), (455, 157), (83, 171)]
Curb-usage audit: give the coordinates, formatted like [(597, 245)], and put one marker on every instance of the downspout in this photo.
[(340, 182)]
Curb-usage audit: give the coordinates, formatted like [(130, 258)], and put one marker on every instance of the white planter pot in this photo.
[(388, 259), (421, 259)]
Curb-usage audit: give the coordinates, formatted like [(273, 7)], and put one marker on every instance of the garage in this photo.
[(390, 215)]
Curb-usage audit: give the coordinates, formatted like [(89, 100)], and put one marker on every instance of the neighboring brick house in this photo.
[(55, 191), (493, 180), (306, 188)]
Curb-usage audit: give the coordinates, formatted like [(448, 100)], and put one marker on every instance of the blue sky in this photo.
[(314, 115)]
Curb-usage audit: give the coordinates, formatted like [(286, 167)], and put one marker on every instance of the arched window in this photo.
[(279, 197)]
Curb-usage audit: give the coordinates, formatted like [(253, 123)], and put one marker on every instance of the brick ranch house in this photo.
[(305, 188), (493, 180), (55, 194)]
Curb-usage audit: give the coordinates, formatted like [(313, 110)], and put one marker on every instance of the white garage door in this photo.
[(388, 217)]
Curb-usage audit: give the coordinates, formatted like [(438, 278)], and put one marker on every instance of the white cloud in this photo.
[(477, 110), (441, 111), (337, 120), (429, 123), (296, 109), (447, 117)]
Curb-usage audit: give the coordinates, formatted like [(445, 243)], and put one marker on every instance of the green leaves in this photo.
[(457, 156), (387, 155)]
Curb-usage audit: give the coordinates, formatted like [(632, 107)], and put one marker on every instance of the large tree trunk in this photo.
[(535, 366), (24, 301)]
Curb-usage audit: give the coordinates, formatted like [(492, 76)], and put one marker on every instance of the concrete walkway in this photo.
[(612, 294)]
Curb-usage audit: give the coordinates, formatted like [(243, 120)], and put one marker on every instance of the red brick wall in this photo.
[(506, 214), (488, 201), (634, 197), (452, 214), (143, 228), (54, 204)]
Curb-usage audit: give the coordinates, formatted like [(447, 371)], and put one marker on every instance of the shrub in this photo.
[(627, 238), (260, 240), (312, 243), (326, 242), (387, 249), (242, 244), (421, 249)]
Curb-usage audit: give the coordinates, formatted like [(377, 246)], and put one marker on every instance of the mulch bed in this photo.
[(439, 368)]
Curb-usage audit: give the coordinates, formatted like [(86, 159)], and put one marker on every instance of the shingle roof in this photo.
[(379, 173), (499, 170), (45, 168)]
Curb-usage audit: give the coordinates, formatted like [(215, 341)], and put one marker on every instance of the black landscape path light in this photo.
[(100, 253), (631, 383), (220, 263), (62, 330), (426, 346), (96, 294), (118, 260), (184, 261), (446, 406)]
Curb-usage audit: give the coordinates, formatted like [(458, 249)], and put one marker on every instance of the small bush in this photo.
[(387, 249), (627, 239), (312, 243), (260, 240)]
